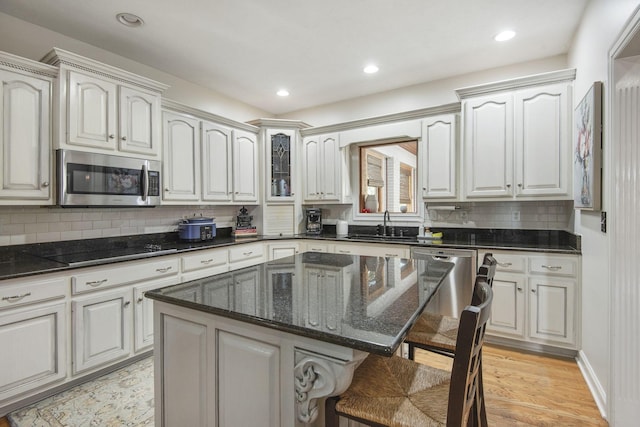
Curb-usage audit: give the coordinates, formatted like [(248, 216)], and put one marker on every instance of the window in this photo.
[(388, 177)]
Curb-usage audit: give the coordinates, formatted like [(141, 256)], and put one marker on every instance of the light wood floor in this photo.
[(525, 389)]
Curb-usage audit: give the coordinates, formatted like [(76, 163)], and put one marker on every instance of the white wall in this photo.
[(419, 96), (31, 41), (601, 24)]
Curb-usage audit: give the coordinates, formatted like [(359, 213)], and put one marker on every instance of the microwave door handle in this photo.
[(145, 182)]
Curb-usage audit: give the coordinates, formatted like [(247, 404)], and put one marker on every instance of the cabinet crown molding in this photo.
[(177, 107), (378, 120), (280, 123), (58, 57), (14, 62), (519, 82)]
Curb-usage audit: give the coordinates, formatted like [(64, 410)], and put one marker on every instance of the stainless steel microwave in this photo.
[(89, 179)]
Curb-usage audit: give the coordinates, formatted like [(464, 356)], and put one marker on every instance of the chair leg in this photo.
[(412, 351), (480, 398), (331, 418)]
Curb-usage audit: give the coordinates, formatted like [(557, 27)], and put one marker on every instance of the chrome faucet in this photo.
[(385, 217)]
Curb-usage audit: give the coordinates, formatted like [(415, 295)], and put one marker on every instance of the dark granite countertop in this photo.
[(31, 259), (366, 303)]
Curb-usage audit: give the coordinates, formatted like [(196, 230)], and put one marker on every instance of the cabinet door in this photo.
[(310, 165), (216, 162), (438, 154), (243, 361), (543, 141), (488, 144), (508, 307), (143, 313), (311, 298), (552, 310), (92, 112), (181, 161), (282, 250), (330, 168), (245, 167), (248, 287), (25, 137), (280, 180), (101, 325), (34, 353), (139, 122)]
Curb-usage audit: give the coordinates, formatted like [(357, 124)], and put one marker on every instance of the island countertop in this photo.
[(361, 302)]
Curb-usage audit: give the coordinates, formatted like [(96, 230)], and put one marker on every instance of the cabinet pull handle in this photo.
[(342, 251), (126, 303), (391, 255), (45, 184), (552, 267), (15, 298), (247, 253), (140, 299), (96, 282), (206, 261), (504, 264), (163, 270)]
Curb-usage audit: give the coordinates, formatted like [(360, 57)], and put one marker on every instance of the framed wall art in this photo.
[(587, 150)]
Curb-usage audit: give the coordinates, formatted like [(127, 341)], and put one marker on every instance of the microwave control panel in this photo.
[(154, 183)]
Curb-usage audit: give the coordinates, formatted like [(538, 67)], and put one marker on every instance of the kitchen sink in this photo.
[(377, 238)]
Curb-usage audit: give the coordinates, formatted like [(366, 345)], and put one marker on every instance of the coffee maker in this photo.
[(314, 221)]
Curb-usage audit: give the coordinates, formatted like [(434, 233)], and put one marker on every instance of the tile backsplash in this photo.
[(534, 215), (20, 225)]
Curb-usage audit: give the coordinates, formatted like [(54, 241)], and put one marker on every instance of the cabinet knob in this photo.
[(45, 184), (520, 185), (293, 194), (519, 288), (126, 303), (166, 189), (140, 299), (533, 291), (508, 185), (112, 136), (124, 138)]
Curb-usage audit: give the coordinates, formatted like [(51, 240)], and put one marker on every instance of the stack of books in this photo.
[(245, 232)]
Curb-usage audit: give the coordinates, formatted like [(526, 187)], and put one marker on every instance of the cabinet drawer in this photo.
[(28, 292), (107, 277), (205, 259), (512, 263), (246, 252), (554, 265), (317, 247)]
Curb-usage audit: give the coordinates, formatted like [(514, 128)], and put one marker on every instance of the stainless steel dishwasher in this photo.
[(456, 291)]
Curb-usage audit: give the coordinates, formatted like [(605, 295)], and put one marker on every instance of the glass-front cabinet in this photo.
[(281, 178)]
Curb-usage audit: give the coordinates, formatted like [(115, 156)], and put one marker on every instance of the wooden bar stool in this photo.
[(398, 392)]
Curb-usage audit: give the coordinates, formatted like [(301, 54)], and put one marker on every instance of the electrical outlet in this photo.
[(515, 216)]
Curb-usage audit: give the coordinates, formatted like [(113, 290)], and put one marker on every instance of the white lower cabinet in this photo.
[(246, 255), (536, 298), (323, 294), (101, 328), (372, 249), (143, 314), (283, 249), (34, 354)]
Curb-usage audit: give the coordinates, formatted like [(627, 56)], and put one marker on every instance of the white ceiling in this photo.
[(248, 49)]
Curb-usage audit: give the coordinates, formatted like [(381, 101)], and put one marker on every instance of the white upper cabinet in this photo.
[(245, 167), (517, 138), (325, 167), (543, 141), (488, 137), (105, 109), (25, 131), (438, 151), (217, 162), (281, 180), (181, 158), (205, 162)]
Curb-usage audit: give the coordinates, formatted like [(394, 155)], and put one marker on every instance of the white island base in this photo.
[(216, 371)]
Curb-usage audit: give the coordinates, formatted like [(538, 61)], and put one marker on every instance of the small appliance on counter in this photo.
[(342, 228), (197, 229), (314, 221)]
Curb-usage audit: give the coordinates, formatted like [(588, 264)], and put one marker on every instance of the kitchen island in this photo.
[(265, 345)]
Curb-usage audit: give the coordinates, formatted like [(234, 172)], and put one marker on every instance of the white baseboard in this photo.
[(597, 391)]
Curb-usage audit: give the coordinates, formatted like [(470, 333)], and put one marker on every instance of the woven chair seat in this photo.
[(397, 392), (433, 330)]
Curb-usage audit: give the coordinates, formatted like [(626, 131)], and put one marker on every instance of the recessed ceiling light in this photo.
[(370, 69), (282, 92), (504, 36), (129, 19)]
